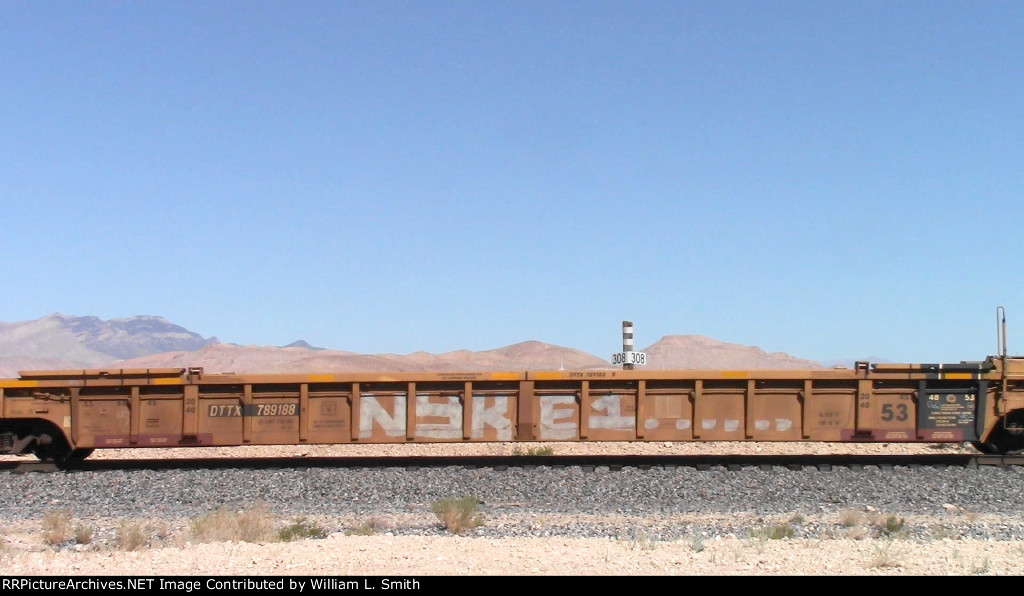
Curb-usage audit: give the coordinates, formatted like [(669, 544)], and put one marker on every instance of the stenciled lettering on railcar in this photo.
[(950, 410), (236, 410), (829, 418)]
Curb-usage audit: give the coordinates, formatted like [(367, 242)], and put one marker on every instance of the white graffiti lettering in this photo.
[(370, 411), (556, 417), (611, 404), (493, 416), (451, 411)]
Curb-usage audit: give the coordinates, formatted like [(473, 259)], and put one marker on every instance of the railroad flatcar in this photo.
[(64, 415)]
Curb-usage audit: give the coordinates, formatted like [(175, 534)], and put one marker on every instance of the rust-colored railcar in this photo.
[(64, 415)]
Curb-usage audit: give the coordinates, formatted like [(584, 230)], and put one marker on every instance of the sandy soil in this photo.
[(388, 555), (23, 550), (561, 448)]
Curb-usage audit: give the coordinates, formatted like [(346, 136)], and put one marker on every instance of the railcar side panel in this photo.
[(160, 417), (25, 402), (830, 412), (382, 415), (886, 414), (559, 411), (437, 412), (493, 413), (329, 414), (719, 412), (101, 416), (666, 412), (51, 411), (774, 413), (275, 414)]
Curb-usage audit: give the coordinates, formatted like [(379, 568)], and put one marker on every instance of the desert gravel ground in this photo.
[(852, 551)]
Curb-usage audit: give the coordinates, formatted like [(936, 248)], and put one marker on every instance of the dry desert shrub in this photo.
[(850, 518), (252, 525), (458, 515), (301, 529), (890, 526), (83, 534), (57, 526), (774, 532), (983, 569), (885, 556), (639, 538), (533, 451), (367, 528), (131, 536)]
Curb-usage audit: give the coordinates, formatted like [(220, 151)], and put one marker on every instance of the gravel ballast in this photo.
[(536, 521)]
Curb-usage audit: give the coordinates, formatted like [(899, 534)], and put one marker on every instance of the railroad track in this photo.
[(585, 462)]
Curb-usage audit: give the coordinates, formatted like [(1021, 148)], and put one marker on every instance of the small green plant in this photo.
[(301, 529), (131, 536), (698, 543), (531, 451), (891, 526), (57, 526), (458, 515), (984, 569), (253, 525)]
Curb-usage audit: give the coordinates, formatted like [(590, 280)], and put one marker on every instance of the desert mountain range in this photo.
[(68, 342)]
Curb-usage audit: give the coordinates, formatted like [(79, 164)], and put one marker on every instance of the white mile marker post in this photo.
[(627, 357)]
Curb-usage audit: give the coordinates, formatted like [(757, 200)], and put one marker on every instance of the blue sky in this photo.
[(828, 179)]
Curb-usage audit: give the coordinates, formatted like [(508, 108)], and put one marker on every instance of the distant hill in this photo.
[(302, 344), (697, 351), (530, 355), (59, 341)]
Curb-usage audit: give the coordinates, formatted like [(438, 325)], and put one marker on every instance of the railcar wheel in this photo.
[(79, 454), (1007, 438), (59, 452)]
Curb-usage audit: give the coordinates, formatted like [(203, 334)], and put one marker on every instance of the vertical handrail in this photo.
[(1001, 332), (1001, 346)]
